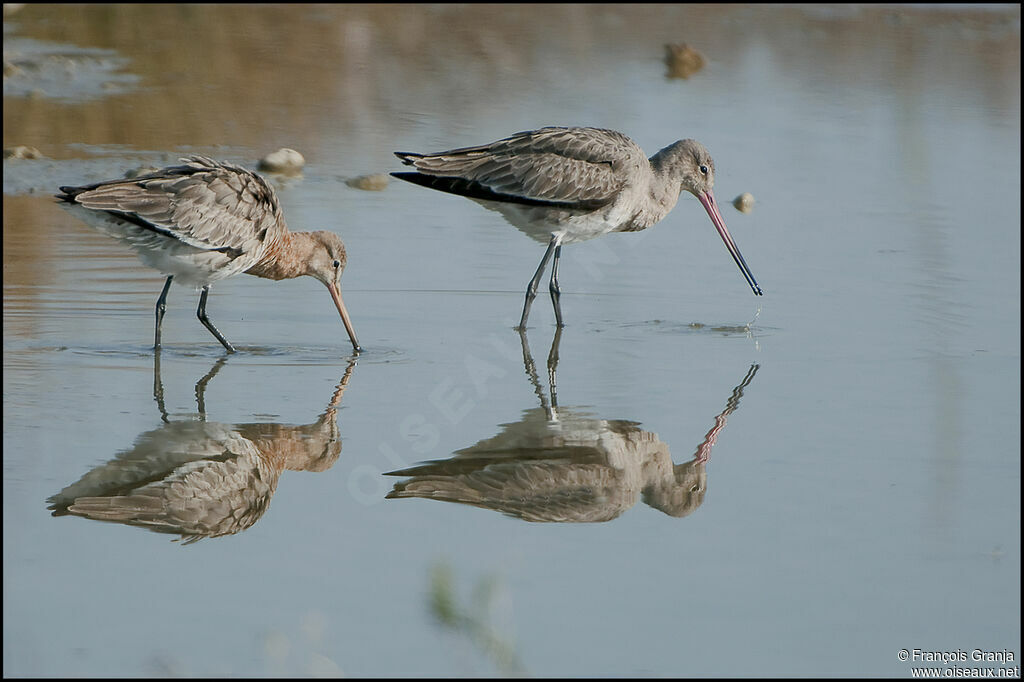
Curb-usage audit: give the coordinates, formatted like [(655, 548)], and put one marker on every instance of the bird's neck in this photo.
[(285, 258), (297, 448), (663, 193)]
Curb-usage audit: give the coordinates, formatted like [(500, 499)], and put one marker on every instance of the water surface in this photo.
[(844, 452)]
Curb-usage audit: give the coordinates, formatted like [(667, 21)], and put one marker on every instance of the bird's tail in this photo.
[(409, 158), (68, 194)]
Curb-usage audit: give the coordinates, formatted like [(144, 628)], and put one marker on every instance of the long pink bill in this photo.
[(336, 295), (708, 200)]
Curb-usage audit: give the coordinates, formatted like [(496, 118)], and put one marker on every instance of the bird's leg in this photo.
[(161, 308), (201, 314), (553, 365), (556, 293), (531, 371), (531, 290), (158, 387), (201, 387)]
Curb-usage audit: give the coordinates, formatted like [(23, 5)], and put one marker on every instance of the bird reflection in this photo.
[(560, 464), (198, 478)]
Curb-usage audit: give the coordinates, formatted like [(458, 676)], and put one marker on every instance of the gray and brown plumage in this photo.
[(562, 465), (206, 220), (201, 479), (567, 185), (578, 469)]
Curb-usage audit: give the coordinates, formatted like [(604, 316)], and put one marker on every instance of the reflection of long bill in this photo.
[(336, 295), (708, 200)]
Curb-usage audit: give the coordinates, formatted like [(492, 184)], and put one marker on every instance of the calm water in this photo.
[(800, 484)]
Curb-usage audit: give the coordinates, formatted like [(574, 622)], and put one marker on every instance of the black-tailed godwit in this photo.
[(207, 220), (566, 185)]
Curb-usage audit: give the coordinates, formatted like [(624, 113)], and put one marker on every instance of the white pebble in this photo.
[(284, 160)]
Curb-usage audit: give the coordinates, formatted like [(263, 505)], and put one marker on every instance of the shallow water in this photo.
[(860, 422)]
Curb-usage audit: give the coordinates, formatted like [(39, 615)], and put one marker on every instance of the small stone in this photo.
[(744, 203), (372, 183), (682, 60), (284, 160), (22, 152)]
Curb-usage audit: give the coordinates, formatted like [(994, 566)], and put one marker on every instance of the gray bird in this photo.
[(566, 185), (204, 221)]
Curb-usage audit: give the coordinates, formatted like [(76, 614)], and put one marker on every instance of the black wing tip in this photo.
[(408, 158), (451, 185), (472, 189), (69, 193)]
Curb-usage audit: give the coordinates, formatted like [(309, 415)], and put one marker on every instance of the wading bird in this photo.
[(204, 221), (566, 185)]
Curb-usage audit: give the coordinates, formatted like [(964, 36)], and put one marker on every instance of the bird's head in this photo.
[(326, 262), (690, 164)]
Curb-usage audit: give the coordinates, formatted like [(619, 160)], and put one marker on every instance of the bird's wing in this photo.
[(539, 491), (154, 456), (203, 203), (584, 166), (204, 498)]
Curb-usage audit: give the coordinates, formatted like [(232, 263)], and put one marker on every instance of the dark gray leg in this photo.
[(201, 387), (201, 314), (158, 387), (161, 308), (556, 293), (553, 365), (531, 371), (531, 290)]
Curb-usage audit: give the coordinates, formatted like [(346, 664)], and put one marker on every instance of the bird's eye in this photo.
[(337, 263), (703, 169)]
